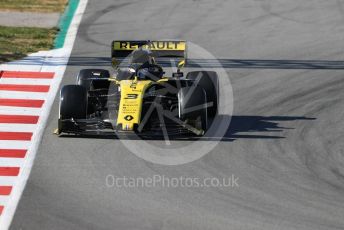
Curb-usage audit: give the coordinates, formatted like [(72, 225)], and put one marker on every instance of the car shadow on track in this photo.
[(243, 127), (240, 127)]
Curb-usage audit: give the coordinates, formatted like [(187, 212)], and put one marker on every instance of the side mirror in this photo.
[(181, 64), (178, 74)]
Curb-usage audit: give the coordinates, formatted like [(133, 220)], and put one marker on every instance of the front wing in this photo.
[(96, 126)]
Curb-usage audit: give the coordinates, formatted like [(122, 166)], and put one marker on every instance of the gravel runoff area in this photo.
[(29, 19)]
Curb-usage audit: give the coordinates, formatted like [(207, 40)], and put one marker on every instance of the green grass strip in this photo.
[(17, 42), (65, 21)]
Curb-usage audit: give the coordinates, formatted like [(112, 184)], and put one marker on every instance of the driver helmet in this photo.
[(150, 72), (142, 56)]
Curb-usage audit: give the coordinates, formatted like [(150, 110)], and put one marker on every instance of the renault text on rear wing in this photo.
[(160, 49)]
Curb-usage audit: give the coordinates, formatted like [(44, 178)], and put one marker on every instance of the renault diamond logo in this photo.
[(128, 118)]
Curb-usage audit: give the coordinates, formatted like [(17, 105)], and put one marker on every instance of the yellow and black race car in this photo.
[(138, 97)]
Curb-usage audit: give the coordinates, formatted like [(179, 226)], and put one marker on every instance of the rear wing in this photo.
[(159, 49)]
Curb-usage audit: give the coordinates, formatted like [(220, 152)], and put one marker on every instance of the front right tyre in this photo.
[(73, 104)]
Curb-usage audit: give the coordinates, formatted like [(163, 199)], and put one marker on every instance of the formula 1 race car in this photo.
[(138, 97)]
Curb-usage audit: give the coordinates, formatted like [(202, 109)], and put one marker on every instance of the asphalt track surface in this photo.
[(285, 141)]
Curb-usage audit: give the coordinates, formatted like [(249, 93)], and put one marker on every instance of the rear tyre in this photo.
[(93, 78), (208, 80)]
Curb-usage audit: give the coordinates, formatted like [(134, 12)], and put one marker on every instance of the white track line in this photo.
[(25, 81), (22, 95), (9, 110), (4, 127)]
